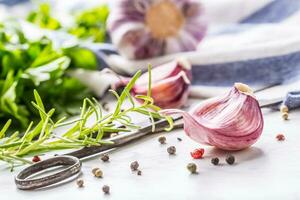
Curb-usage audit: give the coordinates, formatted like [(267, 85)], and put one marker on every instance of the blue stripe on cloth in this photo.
[(12, 2), (275, 11), (263, 71), (292, 100)]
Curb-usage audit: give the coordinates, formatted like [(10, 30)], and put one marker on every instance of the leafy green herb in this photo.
[(42, 17), (41, 138), (88, 24), (91, 24), (26, 65)]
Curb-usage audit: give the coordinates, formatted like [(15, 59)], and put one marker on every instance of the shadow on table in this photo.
[(248, 154)]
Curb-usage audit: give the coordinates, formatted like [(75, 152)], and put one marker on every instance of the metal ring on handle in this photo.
[(24, 182)]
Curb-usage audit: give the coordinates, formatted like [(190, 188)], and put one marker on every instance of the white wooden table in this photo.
[(268, 170)]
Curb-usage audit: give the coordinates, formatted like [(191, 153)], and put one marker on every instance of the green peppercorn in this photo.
[(97, 172), (94, 170), (171, 150), (192, 167), (162, 140), (284, 108), (230, 159), (285, 115)]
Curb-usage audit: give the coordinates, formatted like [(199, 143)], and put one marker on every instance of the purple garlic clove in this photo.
[(233, 121)]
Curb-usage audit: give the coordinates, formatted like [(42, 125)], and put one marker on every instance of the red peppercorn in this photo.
[(36, 159), (197, 153), (280, 137)]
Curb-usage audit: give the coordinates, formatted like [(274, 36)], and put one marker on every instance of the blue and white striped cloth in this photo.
[(262, 46)]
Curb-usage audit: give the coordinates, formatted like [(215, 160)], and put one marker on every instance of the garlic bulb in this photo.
[(169, 86), (230, 122), (147, 28)]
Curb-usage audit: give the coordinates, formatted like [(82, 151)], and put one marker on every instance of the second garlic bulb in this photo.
[(147, 28)]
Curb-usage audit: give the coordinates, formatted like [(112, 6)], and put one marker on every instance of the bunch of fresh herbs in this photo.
[(26, 65)]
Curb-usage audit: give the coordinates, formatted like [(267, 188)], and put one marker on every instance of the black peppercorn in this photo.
[(80, 182), (230, 159), (215, 161), (139, 172), (179, 139), (105, 189), (105, 157), (162, 139), (134, 165), (171, 150)]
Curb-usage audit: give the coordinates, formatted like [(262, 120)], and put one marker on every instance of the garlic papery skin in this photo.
[(143, 29), (233, 121), (169, 85)]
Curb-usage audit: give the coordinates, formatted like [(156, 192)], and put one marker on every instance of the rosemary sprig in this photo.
[(41, 137)]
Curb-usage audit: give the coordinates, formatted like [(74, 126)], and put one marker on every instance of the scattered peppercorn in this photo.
[(197, 153), (284, 108), (105, 157), (97, 172), (192, 167), (230, 159), (162, 139), (171, 150), (105, 189), (80, 182), (139, 172), (280, 137), (36, 159), (215, 161), (134, 165), (94, 170), (179, 139), (285, 115)]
